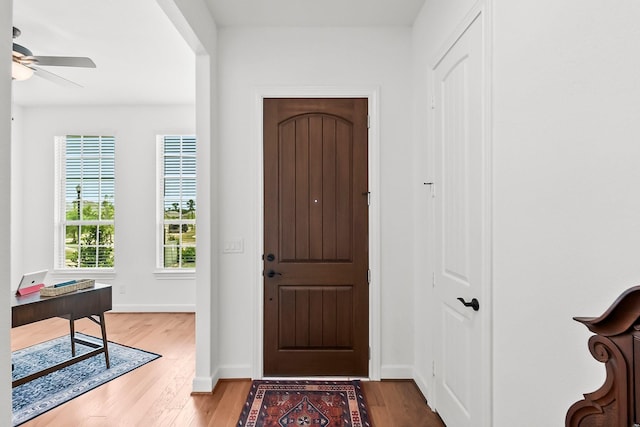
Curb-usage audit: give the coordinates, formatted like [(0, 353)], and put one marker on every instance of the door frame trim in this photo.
[(257, 291)]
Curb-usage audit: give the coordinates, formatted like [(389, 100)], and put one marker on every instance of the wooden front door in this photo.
[(316, 258)]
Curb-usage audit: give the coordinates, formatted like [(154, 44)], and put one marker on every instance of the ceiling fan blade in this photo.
[(54, 78), (65, 61)]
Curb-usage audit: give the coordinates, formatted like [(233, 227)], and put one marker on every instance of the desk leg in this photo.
[(103, 327), (72, 332)]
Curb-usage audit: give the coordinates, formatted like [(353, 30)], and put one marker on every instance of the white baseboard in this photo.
[(206, 384), (202, 385), (154, 308), (235, 371), (396, 372)]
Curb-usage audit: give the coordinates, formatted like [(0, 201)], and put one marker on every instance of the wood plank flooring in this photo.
[(159, 393)]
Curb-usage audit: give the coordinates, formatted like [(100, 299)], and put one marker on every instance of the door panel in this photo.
[(459, 219), (316, 317), (316, 156), (316, 228)]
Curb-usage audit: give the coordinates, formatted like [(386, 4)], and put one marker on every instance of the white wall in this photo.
[(197, 26), (16, 196), (135, 128), (5, 224), (566, 208), (566, 227), (268, 57)]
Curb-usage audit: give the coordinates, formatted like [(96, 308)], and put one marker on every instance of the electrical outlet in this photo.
[(123, 289)]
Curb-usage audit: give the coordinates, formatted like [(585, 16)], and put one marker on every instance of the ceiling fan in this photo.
[(25, 64)]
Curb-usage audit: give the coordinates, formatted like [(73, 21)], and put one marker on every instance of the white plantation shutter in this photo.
[(85, 170), (176, 201)]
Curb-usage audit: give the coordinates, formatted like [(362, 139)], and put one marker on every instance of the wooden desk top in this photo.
[(82, 303)]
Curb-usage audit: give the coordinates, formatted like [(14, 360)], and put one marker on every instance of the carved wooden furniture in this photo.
[(617, 345), (89, 303)]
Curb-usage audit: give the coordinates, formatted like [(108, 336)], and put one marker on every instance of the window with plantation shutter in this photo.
[(86, 202), (177, 202)]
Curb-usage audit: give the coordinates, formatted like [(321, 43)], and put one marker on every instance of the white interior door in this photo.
[(460, 218)]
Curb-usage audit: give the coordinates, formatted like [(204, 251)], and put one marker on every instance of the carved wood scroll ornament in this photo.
[(617, 345)]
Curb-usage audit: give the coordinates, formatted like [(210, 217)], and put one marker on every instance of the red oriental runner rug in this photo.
[(305, 403)]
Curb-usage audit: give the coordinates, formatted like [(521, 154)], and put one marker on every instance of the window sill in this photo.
[(84, 273), (169, 274)]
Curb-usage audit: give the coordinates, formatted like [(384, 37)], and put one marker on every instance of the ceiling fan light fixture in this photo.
[(24, 64), (20, 72), (20, 51)]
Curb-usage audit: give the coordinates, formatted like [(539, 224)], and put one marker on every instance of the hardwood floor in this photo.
[(159, 393)]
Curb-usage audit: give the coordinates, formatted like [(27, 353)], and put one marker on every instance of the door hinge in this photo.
[(432, 187), (368, 194), (369, 276), (433, 102), (368, 121), (433, 279), (433, 368)]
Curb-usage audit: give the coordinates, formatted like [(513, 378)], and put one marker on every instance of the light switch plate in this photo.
[(234, 245)]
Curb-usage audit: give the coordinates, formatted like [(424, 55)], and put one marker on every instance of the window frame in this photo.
[(60, 217), (163, 272)]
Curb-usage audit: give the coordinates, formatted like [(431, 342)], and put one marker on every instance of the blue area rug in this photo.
[(45, 393)]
